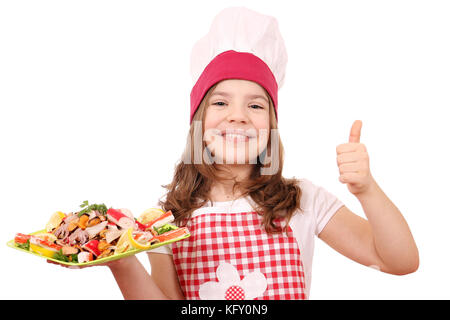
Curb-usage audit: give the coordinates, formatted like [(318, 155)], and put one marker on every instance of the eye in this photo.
[(254, 106)]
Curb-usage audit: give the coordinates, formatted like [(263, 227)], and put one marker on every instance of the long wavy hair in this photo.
[(276, 197)]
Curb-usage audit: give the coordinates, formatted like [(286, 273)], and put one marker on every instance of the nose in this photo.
[(236, 113)]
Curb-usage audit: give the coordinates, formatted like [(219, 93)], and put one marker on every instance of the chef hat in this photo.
[(241, 44)]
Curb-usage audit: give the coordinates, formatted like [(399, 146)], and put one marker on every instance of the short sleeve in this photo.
[(167, 249), (323, 203)]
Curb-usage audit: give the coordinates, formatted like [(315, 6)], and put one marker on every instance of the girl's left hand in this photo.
[(353, 162)]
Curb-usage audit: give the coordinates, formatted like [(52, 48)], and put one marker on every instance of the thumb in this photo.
[(355, 132)]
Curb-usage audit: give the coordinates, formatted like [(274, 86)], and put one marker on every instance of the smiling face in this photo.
[(237, 121)]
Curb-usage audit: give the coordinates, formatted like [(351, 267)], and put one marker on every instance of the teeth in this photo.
[(238, 137)]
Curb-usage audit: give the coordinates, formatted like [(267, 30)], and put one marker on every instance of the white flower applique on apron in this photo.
[(231, 287), (230, 256)]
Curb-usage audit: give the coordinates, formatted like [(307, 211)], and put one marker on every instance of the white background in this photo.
[(94, 100)]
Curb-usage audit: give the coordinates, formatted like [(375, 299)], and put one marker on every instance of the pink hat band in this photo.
[(234, 65)]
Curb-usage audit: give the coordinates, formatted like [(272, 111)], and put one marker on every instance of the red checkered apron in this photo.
[(230, 256)]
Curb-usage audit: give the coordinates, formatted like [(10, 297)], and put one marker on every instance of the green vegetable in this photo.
[(89, 207), (74, 258), (60, 256), (165, 228), (70, 258), (25, 246)]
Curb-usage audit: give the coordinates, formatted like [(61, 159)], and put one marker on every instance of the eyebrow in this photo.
[(251, 96)]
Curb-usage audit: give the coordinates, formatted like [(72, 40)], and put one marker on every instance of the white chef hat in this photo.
[(241, 44)]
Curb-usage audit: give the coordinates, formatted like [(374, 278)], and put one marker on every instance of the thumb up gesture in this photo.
[(353, 162)]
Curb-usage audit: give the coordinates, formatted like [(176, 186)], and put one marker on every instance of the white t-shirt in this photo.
[(318, 206)]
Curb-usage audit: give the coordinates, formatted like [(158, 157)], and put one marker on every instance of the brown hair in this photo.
[(277, 198)]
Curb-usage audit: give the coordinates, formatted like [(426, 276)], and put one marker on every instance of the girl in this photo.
[(252, 230)]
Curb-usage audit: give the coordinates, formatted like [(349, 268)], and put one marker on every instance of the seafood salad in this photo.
[(97, 232)]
